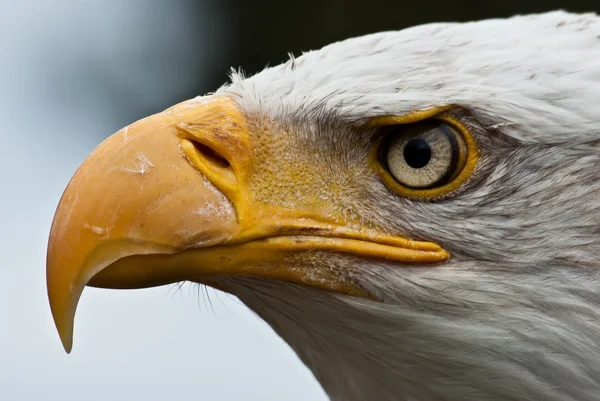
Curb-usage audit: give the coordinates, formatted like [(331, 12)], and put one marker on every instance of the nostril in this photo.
[(210, 155), (207, 159)]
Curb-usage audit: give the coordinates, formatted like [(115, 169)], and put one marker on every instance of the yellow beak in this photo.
[(175, 197)]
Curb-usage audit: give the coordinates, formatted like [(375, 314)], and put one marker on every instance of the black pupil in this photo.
[(417, 153)]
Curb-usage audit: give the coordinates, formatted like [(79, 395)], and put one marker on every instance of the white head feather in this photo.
[(515, 314), (539, 74)]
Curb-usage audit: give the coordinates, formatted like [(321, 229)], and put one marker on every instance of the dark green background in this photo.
[(264, 31)]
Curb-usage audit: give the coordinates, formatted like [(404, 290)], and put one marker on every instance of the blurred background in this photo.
[(72, 73)]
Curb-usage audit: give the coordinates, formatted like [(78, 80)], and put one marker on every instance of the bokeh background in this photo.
[(73, 72)]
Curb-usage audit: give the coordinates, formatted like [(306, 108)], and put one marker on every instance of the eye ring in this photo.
[(457, 147)]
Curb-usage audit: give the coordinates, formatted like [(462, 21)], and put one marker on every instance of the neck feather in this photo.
[(460, 332)]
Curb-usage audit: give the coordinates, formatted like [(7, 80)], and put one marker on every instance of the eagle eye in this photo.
[(425, 154), (426, 159)]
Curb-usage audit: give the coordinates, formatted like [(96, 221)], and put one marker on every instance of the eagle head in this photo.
[(416, 213)]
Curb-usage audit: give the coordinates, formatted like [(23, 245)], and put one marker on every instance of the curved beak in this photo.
[(136, 194), (172, 197)]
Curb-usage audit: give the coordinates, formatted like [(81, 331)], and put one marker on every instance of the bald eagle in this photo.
[(416, 213)]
